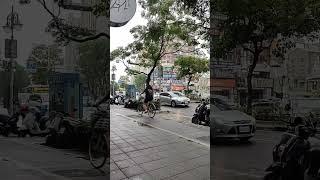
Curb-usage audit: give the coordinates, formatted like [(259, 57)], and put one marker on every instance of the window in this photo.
[(164, 94)]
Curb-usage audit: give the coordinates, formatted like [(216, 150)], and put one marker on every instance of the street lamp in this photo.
[(114, 68), (13, 23)]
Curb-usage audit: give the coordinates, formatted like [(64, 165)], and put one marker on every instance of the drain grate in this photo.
[(72, 173)]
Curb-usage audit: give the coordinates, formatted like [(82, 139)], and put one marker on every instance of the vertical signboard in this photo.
[(10, 48)]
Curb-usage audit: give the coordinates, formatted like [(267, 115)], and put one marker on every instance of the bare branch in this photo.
[(65, 34), (135, 72)]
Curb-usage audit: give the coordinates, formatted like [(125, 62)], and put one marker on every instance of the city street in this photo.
[(230, 159), (148, 152)]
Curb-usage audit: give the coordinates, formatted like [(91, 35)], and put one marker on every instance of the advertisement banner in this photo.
[(227, 83)]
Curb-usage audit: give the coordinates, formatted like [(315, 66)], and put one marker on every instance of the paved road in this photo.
[(146, 153), (230, 160), (182, 111)]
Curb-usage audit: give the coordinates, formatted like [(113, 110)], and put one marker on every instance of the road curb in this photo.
[(161, 129)]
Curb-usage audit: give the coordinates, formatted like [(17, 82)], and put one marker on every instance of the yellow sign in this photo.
[(40, 90)]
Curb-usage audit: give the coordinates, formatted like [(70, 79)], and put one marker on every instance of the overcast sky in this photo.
[(121, 37), (34, 19)]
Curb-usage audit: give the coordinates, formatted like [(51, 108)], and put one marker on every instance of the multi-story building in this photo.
[(313, 81), (301, 65), (71, 60)]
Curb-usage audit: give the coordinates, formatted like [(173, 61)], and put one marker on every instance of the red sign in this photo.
[(227, 83), (177, 87)]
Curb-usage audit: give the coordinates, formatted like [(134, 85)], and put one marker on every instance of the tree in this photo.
[(124, 81), (95, 66), (139, 81), (65, 32), (257, 25), (21, 80), (45, 56), (164, 34), (115, 86), (189, 66)]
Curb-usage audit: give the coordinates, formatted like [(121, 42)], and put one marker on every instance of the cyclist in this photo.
[(148, 97)]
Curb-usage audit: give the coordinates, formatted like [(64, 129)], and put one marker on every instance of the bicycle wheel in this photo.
[(98, 150), (151, 110), (140, 109)]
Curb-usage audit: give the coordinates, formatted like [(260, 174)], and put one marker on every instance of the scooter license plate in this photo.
[(244, 129)]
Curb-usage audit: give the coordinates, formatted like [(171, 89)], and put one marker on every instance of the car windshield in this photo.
[(222, 105), (177, 94)]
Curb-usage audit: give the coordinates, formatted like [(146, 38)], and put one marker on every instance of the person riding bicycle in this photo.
[(148, 97)]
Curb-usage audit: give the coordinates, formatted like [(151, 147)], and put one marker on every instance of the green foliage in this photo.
[(255, 24), (259, 25), (95, 66), (45, 57), (189, 66), (164, 34), (139, 81)]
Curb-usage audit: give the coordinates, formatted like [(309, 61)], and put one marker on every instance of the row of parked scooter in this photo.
[(29, 121)]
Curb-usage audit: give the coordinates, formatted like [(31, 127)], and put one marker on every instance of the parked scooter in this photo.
[(202, 114), (293, 157)]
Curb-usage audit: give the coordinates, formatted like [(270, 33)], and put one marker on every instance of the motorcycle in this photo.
[(293, 154), (202, 114)]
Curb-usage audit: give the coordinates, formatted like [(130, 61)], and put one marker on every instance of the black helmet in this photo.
[(302, 131), (298, 121)]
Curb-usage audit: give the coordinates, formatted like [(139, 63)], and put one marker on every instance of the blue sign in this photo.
[(31, 67)]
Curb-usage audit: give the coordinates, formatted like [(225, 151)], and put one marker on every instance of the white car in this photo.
[(227, 122), (174, 99)]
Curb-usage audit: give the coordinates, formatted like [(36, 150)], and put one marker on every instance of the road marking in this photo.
[(187, 138)]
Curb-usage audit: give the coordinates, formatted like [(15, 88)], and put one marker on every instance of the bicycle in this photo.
[(151, 109), (99, 138)]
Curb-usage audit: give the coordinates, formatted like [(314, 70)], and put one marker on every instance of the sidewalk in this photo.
[(26, 158), (171, 123), (143, 152)]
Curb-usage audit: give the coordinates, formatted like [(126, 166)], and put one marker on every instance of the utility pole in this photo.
[(12, 23)]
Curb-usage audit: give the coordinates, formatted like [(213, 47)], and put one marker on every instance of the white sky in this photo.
[(121, 37)]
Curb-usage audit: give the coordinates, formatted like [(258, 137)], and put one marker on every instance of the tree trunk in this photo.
[(249, 82), (189, 81), (150, 73)]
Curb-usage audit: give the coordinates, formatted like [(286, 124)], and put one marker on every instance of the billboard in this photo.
[(227, 83)]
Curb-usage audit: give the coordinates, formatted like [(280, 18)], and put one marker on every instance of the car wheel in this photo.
[(173, 104)]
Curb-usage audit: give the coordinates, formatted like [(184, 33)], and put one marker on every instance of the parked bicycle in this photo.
[(99, 137)]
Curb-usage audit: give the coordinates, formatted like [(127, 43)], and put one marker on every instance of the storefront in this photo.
[(65, 94), (224, 87)]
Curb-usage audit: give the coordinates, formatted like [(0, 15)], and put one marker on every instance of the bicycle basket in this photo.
[(101, 120)]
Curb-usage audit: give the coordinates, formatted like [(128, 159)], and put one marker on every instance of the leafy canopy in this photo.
[(256, 24), (188, 66), (95, 65), (163, 34)]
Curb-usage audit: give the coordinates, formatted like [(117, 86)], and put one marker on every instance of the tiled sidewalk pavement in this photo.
[(144, 153)]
